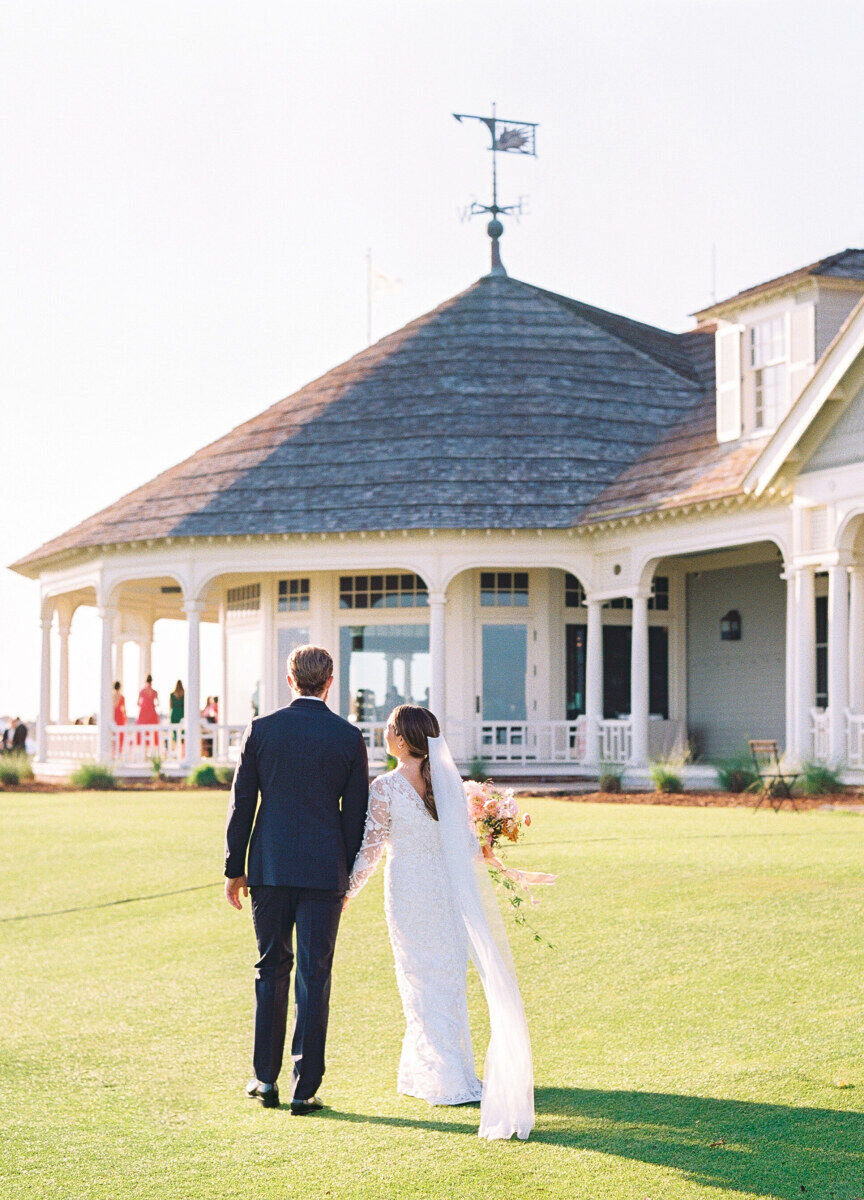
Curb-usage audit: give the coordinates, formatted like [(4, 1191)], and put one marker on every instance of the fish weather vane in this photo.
[(508, 137)]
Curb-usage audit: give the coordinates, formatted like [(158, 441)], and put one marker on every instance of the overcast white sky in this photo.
[(188, 189)]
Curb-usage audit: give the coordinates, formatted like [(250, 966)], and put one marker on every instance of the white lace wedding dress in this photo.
[(430, 944)]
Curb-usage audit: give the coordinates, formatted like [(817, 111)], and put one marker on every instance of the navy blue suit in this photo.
[(310, 768)]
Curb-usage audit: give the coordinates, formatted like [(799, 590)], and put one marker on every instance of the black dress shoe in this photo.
[(300, 1108), (267, 1093)]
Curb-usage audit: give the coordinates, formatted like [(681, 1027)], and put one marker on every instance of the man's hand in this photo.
[(345, 903), (233, 888)]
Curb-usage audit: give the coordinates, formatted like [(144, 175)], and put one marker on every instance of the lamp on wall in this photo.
[(730, 626)]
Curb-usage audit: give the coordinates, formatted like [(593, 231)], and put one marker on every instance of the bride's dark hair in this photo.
[(416, 725)]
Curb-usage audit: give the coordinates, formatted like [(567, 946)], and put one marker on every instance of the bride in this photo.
[(441, 908)]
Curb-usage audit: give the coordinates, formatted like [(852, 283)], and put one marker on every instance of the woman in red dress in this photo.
[(147, 715), (119, 713)]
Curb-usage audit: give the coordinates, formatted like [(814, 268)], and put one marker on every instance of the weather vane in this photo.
[(508, 137)]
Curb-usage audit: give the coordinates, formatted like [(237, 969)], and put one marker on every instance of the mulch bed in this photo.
[(704, 799)]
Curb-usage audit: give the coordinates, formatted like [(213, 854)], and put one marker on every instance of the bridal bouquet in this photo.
[(497, 818)]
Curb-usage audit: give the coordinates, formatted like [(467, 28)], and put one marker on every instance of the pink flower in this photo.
[(526, 820)]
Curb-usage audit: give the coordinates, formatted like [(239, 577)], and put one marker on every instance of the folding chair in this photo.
[(775, 783)]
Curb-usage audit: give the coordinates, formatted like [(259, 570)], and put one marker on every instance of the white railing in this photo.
[(615, 740), (855, 740), (530, 741), (820, 730), (373, 736), (71, 743), (138, 745)]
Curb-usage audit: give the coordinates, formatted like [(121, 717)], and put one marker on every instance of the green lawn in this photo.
[(690, 1029)]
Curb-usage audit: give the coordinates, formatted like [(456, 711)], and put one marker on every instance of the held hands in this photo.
[(233, 888)]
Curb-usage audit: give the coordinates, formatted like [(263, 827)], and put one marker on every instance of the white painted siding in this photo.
[(736, 690), (831, 311), (844, 445)]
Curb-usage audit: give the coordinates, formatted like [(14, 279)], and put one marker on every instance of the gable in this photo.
[(844, 444)]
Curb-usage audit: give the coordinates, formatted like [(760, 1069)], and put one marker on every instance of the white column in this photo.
[(856, 638), (269, 690), (223, 676), (639, 697), (838, 660), (145, 657), (106, 689), (593, 682), (117, 660), (44, 687), (805, 659), (790, 577), (437, 696), (64, 624), (192, 609)]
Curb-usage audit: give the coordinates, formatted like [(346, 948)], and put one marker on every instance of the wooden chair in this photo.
[(775, 784)]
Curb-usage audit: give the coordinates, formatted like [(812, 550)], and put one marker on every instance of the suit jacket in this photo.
[(18, 738), (303, 760)]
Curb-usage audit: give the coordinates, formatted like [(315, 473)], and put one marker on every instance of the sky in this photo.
[(189, 191)]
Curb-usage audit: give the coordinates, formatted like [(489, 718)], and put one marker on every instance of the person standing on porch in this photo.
[(147, 714), (119, 712), (177, 709)]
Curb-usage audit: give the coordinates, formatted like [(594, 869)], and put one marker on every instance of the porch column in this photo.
[(117, 660), (838, 660), (145, 657), (106, 689), (64, 624), (639, 695), (856, 638), (593, 682), (437, 697), (805, 659), (790, 577), (44, 686), (192, 609)]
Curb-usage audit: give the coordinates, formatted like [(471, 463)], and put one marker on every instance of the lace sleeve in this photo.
[(376, 834)]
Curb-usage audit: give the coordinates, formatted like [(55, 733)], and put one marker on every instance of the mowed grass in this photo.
[(691, 1028)]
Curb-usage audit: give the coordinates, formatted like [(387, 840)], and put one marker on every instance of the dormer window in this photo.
[(767, 345)]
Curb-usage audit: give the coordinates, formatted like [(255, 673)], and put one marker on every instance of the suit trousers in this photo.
[(276, 912)]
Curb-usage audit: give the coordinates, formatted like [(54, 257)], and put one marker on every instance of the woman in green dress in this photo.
[(177, 702)]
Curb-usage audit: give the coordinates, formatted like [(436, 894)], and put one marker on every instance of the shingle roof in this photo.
[(505, 407), (847, 264)]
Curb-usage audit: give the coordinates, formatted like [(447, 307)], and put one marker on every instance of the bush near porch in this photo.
[(696, 1032)]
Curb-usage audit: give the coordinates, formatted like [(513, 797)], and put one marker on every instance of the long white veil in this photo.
[(507, 1106)]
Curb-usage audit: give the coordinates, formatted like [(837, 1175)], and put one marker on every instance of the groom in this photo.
[(303, 760)]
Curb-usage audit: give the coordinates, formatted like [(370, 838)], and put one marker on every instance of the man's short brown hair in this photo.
[(310, 667)]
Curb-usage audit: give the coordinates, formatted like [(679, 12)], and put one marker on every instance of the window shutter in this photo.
[(727, 349), (802, 348)]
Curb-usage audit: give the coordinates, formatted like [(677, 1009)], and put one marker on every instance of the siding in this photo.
[(832, 309), (735, 690), (844, 445)]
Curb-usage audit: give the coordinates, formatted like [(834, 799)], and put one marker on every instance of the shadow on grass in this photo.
[(769, 1149)]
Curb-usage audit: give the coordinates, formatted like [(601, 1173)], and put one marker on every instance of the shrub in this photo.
[(225, 775), (736, 774), (93, 777), (156, 768), (14, 769), (817, 779), (202, 776), (477, 769), (665, 778), (610, 777)]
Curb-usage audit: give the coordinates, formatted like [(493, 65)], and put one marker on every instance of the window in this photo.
[(574, 593), (821, 651), (767, 342), (381, 666), (243, 599), (659, 598), (504, 589), (382, 591), (293, 595)]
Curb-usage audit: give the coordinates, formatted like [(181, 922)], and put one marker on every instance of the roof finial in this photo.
[(508, 137)]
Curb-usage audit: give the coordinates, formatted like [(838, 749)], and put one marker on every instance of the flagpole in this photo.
[(368, 295)]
